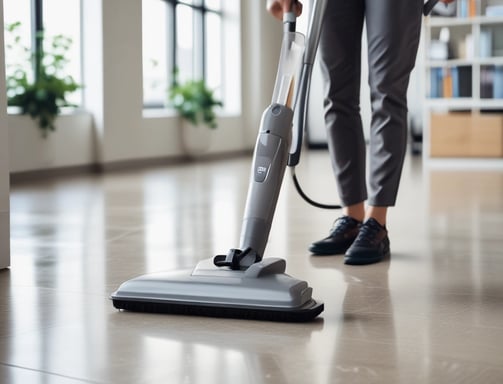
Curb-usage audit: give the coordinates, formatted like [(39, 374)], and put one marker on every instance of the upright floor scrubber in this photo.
[(243, 284)]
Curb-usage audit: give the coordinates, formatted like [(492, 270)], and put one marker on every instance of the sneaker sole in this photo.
[(366, 260), (327, 252)]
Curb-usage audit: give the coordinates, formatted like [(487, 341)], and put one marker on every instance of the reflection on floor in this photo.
[(433, 313)]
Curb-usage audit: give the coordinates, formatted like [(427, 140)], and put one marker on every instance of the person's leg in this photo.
[(340, 60), (356, 211), (378, 213), (393, 32)]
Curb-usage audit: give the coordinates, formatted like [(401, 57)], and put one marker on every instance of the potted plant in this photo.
[(42, 97), (196, 104)]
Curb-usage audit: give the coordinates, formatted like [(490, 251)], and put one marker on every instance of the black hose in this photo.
[(306, 198)]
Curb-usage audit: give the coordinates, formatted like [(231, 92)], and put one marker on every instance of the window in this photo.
[(183, 35), (17, 11), (53, 24)]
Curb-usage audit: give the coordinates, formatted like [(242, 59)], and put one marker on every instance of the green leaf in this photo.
[(41, 99), (194, 101)]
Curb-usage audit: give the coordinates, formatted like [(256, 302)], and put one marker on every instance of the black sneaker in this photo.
[(342, 235), (370, 246)]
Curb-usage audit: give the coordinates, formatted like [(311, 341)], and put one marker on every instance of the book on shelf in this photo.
[(451, 82), (461, 81), (498, 82), (486, 82), (466, 8), (485, 42), (447, 83), (491, 82)]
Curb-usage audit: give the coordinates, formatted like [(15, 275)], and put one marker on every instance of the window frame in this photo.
[(199, 39), (36, 47), (200, 69)]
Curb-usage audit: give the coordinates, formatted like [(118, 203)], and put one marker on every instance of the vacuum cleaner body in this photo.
[(243, 284), (268, 168)]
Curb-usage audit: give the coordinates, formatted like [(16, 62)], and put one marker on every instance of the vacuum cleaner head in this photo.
[(261, 292)]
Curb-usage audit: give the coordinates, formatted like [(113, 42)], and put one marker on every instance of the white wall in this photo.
[(4, 161), (72, 144)]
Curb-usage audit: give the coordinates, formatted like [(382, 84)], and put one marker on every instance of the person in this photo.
[(393, 31)]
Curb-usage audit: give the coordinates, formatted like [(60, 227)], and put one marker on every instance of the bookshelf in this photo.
[(463, 62)]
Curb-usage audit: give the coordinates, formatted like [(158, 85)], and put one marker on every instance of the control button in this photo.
[(262, 168), (276, 110)]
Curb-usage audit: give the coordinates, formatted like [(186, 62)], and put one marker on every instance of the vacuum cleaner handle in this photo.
[(314, 26), (289, 22), (290, 19)]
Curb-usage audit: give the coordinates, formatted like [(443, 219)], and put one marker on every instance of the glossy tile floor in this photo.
[(433, 313)]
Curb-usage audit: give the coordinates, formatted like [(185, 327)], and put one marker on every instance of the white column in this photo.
[(262, 36), (113, 76), (4, 160)]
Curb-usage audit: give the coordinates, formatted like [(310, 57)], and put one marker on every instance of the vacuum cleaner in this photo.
[(242, 283)]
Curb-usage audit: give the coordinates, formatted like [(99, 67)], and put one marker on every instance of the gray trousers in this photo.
[(393, 32)]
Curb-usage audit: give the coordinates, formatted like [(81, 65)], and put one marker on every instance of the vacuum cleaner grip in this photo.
[(301, 108), (289, 22)]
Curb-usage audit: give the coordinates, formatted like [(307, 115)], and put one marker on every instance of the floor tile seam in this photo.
[(392, 341), (59, 290), (381, 314), (37, 330), (363, 285), (453, 322), (475, 294), (450, 320), (8, 365), (394, 315), (122, 235)]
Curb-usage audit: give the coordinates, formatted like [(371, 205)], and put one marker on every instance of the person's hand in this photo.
[(278, 7)]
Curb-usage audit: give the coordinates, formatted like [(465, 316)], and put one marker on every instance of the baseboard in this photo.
[(121, 165), (126, 165), (51, 173)]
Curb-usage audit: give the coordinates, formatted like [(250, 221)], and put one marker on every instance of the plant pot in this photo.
[(195, 139)]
